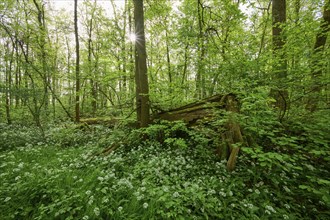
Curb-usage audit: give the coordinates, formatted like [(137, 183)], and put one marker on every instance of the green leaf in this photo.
[(323, 182), (303, 187), (326, 199)]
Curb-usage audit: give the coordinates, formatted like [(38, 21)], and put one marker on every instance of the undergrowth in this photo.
[(167, 171)]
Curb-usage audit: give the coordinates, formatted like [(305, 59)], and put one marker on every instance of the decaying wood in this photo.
[(193, 112), (234, 136), (204, 110)]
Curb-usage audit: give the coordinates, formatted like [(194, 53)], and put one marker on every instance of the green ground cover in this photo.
[(179, 178)]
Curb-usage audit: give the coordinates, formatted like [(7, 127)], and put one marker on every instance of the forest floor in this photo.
[(64, 177)]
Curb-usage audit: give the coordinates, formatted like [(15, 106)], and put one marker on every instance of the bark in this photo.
[(280, 94), (142, 86)]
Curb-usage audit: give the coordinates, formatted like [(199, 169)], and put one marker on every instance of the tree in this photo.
[(90, 23), (77, 105), (141, 77), (279, 57), (317, 61), (8, 68), (200, 78)]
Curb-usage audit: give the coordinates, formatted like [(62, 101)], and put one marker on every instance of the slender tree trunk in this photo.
[(90, 67), (124, 56), (8, 64), (54, 82), (68, 66), (201, 52), (17, 72), (185, 68), (264, 31), (77, 104), (131, 54), (42, 44), (168, 58), (142, 86), (185, 64)]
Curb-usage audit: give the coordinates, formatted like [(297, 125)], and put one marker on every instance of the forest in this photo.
[(164, 109)]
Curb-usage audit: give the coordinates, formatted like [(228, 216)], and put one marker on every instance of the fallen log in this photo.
[(204, 111), (193, 112)]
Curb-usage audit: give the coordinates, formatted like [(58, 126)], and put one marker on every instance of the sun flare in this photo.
[(132, 37)]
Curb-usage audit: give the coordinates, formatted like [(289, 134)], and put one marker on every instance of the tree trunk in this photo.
[(131, 54), (77, 104), (279, 19), (142, 86), (317, 62), (8, 80), (90, 66), (42, 44), (201, 53), (280, 94)]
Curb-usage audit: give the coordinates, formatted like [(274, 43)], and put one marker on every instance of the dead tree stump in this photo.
[(233, 135)]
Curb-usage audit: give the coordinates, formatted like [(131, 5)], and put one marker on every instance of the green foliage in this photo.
[(72, 135), (173, 134), (14, 136), (165, 171), (66, 135), (296, 151)]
